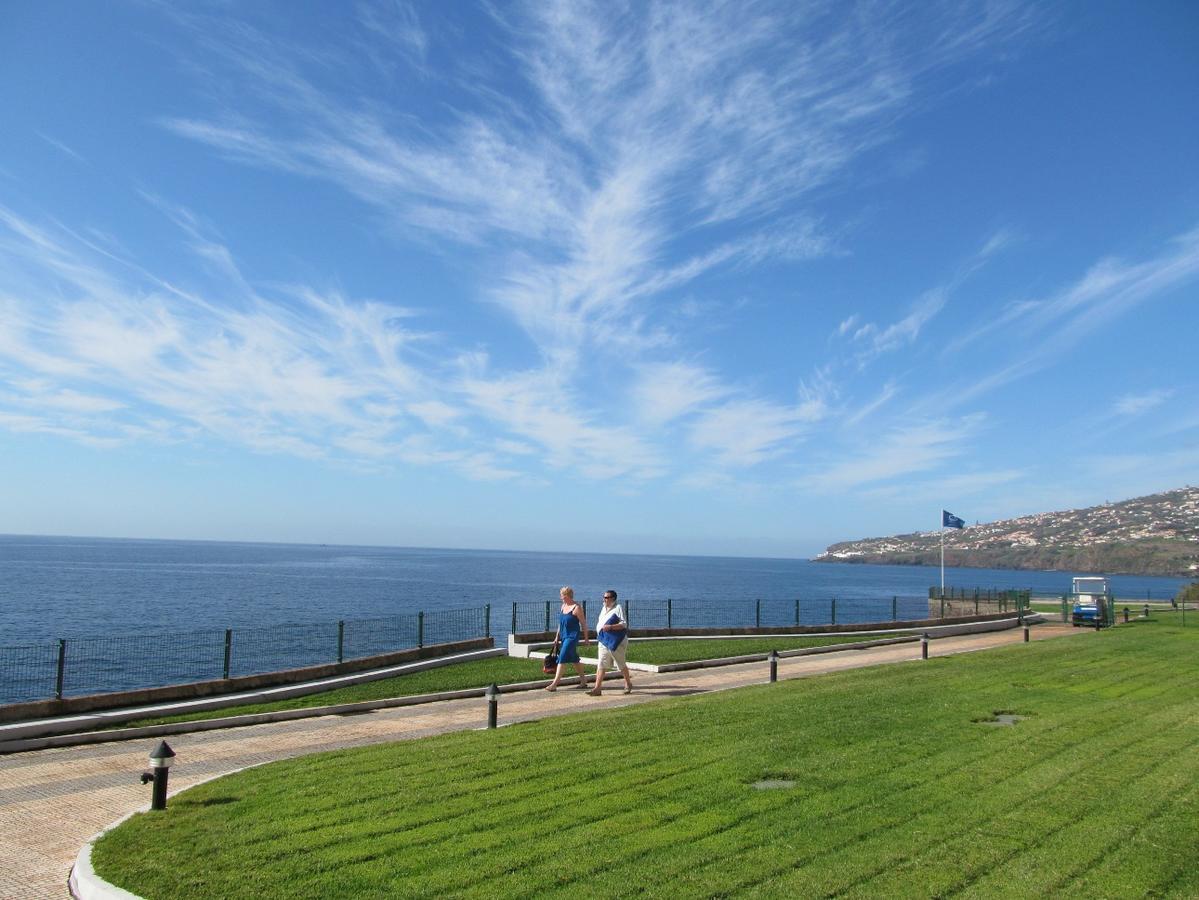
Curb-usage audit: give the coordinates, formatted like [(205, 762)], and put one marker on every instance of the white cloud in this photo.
[(884, 396), (901, 452), (664, 120), (1047, 330), (745, 432), (667, 391), (1135, 404)]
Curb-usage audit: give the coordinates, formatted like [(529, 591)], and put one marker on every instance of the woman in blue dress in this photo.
[(571, 623)]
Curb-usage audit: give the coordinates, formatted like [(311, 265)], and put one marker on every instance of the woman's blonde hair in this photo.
[(567, 591)]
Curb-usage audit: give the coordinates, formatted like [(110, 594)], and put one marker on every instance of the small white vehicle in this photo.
[(1092, 599)]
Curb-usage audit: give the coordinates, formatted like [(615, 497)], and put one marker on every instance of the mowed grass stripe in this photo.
[(966, 858), (582, 870), (334, 816), (891, 773), (751, 839), (1029, 783), (1114, 869)]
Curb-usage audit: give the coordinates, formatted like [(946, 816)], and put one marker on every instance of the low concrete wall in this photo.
[(41, 709)]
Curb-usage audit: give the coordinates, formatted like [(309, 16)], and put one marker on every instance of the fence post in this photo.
[(628, 613), (894, 604), (547, 615), (513, 617), (833, 611), (487, 620), (228, 652), (796, 612), (757, 614), (62, 665), (669, 614), (420, 629), (976, 604), (942, 606), (341, 639)]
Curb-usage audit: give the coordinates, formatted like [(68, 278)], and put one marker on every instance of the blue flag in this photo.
[(949, 520)]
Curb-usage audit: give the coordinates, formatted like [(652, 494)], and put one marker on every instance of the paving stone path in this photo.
[(52, 802)]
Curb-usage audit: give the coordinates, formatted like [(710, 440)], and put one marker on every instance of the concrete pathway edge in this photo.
[(85, 884)]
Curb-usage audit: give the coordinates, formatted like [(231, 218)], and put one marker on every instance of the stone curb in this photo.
[(85, 884)]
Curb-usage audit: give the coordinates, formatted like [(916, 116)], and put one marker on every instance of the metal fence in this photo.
[(81, 666), (682, 612)]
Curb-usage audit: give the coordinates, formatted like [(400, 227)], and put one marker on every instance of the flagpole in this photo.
[(942, 556)]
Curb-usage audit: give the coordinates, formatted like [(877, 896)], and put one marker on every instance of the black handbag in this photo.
[(550, 663)]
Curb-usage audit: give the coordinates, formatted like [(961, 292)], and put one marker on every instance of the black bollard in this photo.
[(1026, 634), (493, 704), (924, 646), (1126, 615), (774, 666), (160, 762), (1146, 610)]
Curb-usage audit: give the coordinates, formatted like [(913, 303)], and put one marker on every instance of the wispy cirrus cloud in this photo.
[(873, 340), (1045, 330), (1135, 404), (903, 451), (665, 119), (596, 162), (307, 373)]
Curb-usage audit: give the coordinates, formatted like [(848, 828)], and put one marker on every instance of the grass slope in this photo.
[(501, 670), (900, 792)]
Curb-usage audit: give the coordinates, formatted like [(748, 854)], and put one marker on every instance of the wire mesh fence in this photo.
[(81, 666), (683, 612)]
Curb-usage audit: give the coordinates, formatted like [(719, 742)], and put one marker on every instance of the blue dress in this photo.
[(568, 631)]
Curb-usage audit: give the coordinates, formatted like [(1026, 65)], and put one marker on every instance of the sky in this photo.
[(737, 278)]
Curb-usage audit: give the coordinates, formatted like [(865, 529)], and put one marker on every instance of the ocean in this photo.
[(65, 587)]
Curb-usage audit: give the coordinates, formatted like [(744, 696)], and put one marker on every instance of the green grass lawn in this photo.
[(674, 651), (501, 670), (899, 792)]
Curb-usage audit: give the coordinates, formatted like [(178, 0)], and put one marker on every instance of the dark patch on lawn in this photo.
[(218, 801), (1000, 717)]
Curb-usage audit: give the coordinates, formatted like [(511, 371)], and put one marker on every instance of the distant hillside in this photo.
[(1154, 535)]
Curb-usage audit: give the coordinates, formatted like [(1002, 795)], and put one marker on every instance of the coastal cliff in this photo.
[(1153, 535)]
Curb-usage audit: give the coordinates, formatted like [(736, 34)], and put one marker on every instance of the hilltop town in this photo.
[(1153, 535)]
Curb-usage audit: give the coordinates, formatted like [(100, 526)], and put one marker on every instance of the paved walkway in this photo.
[(53, 801)]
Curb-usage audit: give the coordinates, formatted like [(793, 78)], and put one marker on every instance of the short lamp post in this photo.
[(493, 703), (924, 645), (160, 762), (774, 666)]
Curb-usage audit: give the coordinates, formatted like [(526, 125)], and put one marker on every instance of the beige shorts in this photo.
[(608, 658)]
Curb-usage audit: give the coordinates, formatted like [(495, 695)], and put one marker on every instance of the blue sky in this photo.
[(715, 278)]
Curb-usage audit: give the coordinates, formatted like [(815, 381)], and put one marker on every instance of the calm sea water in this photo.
[(53, 587)]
